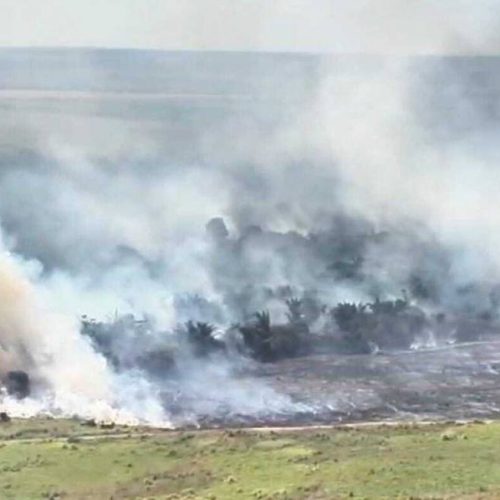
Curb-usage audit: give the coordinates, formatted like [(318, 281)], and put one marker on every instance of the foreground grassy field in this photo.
[(63, 459)]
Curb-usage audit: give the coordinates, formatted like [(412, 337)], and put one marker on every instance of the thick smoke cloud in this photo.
[(382, 164), (70, 375)]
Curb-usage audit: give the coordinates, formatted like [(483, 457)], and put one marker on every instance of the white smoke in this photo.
[(111, 197), (72, 377)]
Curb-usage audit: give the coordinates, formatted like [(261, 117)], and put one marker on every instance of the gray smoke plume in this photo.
[(340, 177)]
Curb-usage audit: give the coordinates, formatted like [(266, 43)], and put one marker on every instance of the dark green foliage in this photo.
[(350, 328), (288, 341), (390, 307), (266, 342), (349, 317), (294, 313), (263, 322), (300, 313), (389, 324), (257, 337), (354, 321), (201, 338), (102, 337), (126, 343)]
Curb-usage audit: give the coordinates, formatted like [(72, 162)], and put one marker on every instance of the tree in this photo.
[(200, 336)]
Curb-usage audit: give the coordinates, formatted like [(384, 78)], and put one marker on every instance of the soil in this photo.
[(451, 382)]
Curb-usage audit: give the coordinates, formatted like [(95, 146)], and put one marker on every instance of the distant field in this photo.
[(63, 459)]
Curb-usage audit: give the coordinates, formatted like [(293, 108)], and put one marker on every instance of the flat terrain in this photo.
[(65, 459), (451, 382)]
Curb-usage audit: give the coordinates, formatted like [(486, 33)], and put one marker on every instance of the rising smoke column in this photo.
[(141, 191), (68, 376)]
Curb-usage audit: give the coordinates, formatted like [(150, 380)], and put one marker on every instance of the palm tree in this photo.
[(294, 313), (201, 337)]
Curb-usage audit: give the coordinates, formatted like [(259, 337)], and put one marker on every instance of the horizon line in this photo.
[(236, 51)]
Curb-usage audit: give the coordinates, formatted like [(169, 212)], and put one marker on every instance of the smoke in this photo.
[(338, 178), (33, 336), (70, 374), (396, 164)]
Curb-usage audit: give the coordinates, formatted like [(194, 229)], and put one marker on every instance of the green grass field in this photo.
[(63, 459)]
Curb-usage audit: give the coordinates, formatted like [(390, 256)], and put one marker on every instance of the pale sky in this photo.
[(373, 26)]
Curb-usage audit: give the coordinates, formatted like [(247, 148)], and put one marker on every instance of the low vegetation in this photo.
[(64, 459), (389, 324), (308, 326), (267, 342)]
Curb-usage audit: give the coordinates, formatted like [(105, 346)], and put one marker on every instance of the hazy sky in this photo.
[(389, 26)]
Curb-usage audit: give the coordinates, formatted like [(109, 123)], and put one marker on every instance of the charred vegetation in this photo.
[(273, 321), (267, 342), (127, 342), (388, 324), (201, 338), (309, 326)]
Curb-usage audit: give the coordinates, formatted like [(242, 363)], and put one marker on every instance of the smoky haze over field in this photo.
[(343, 178)]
